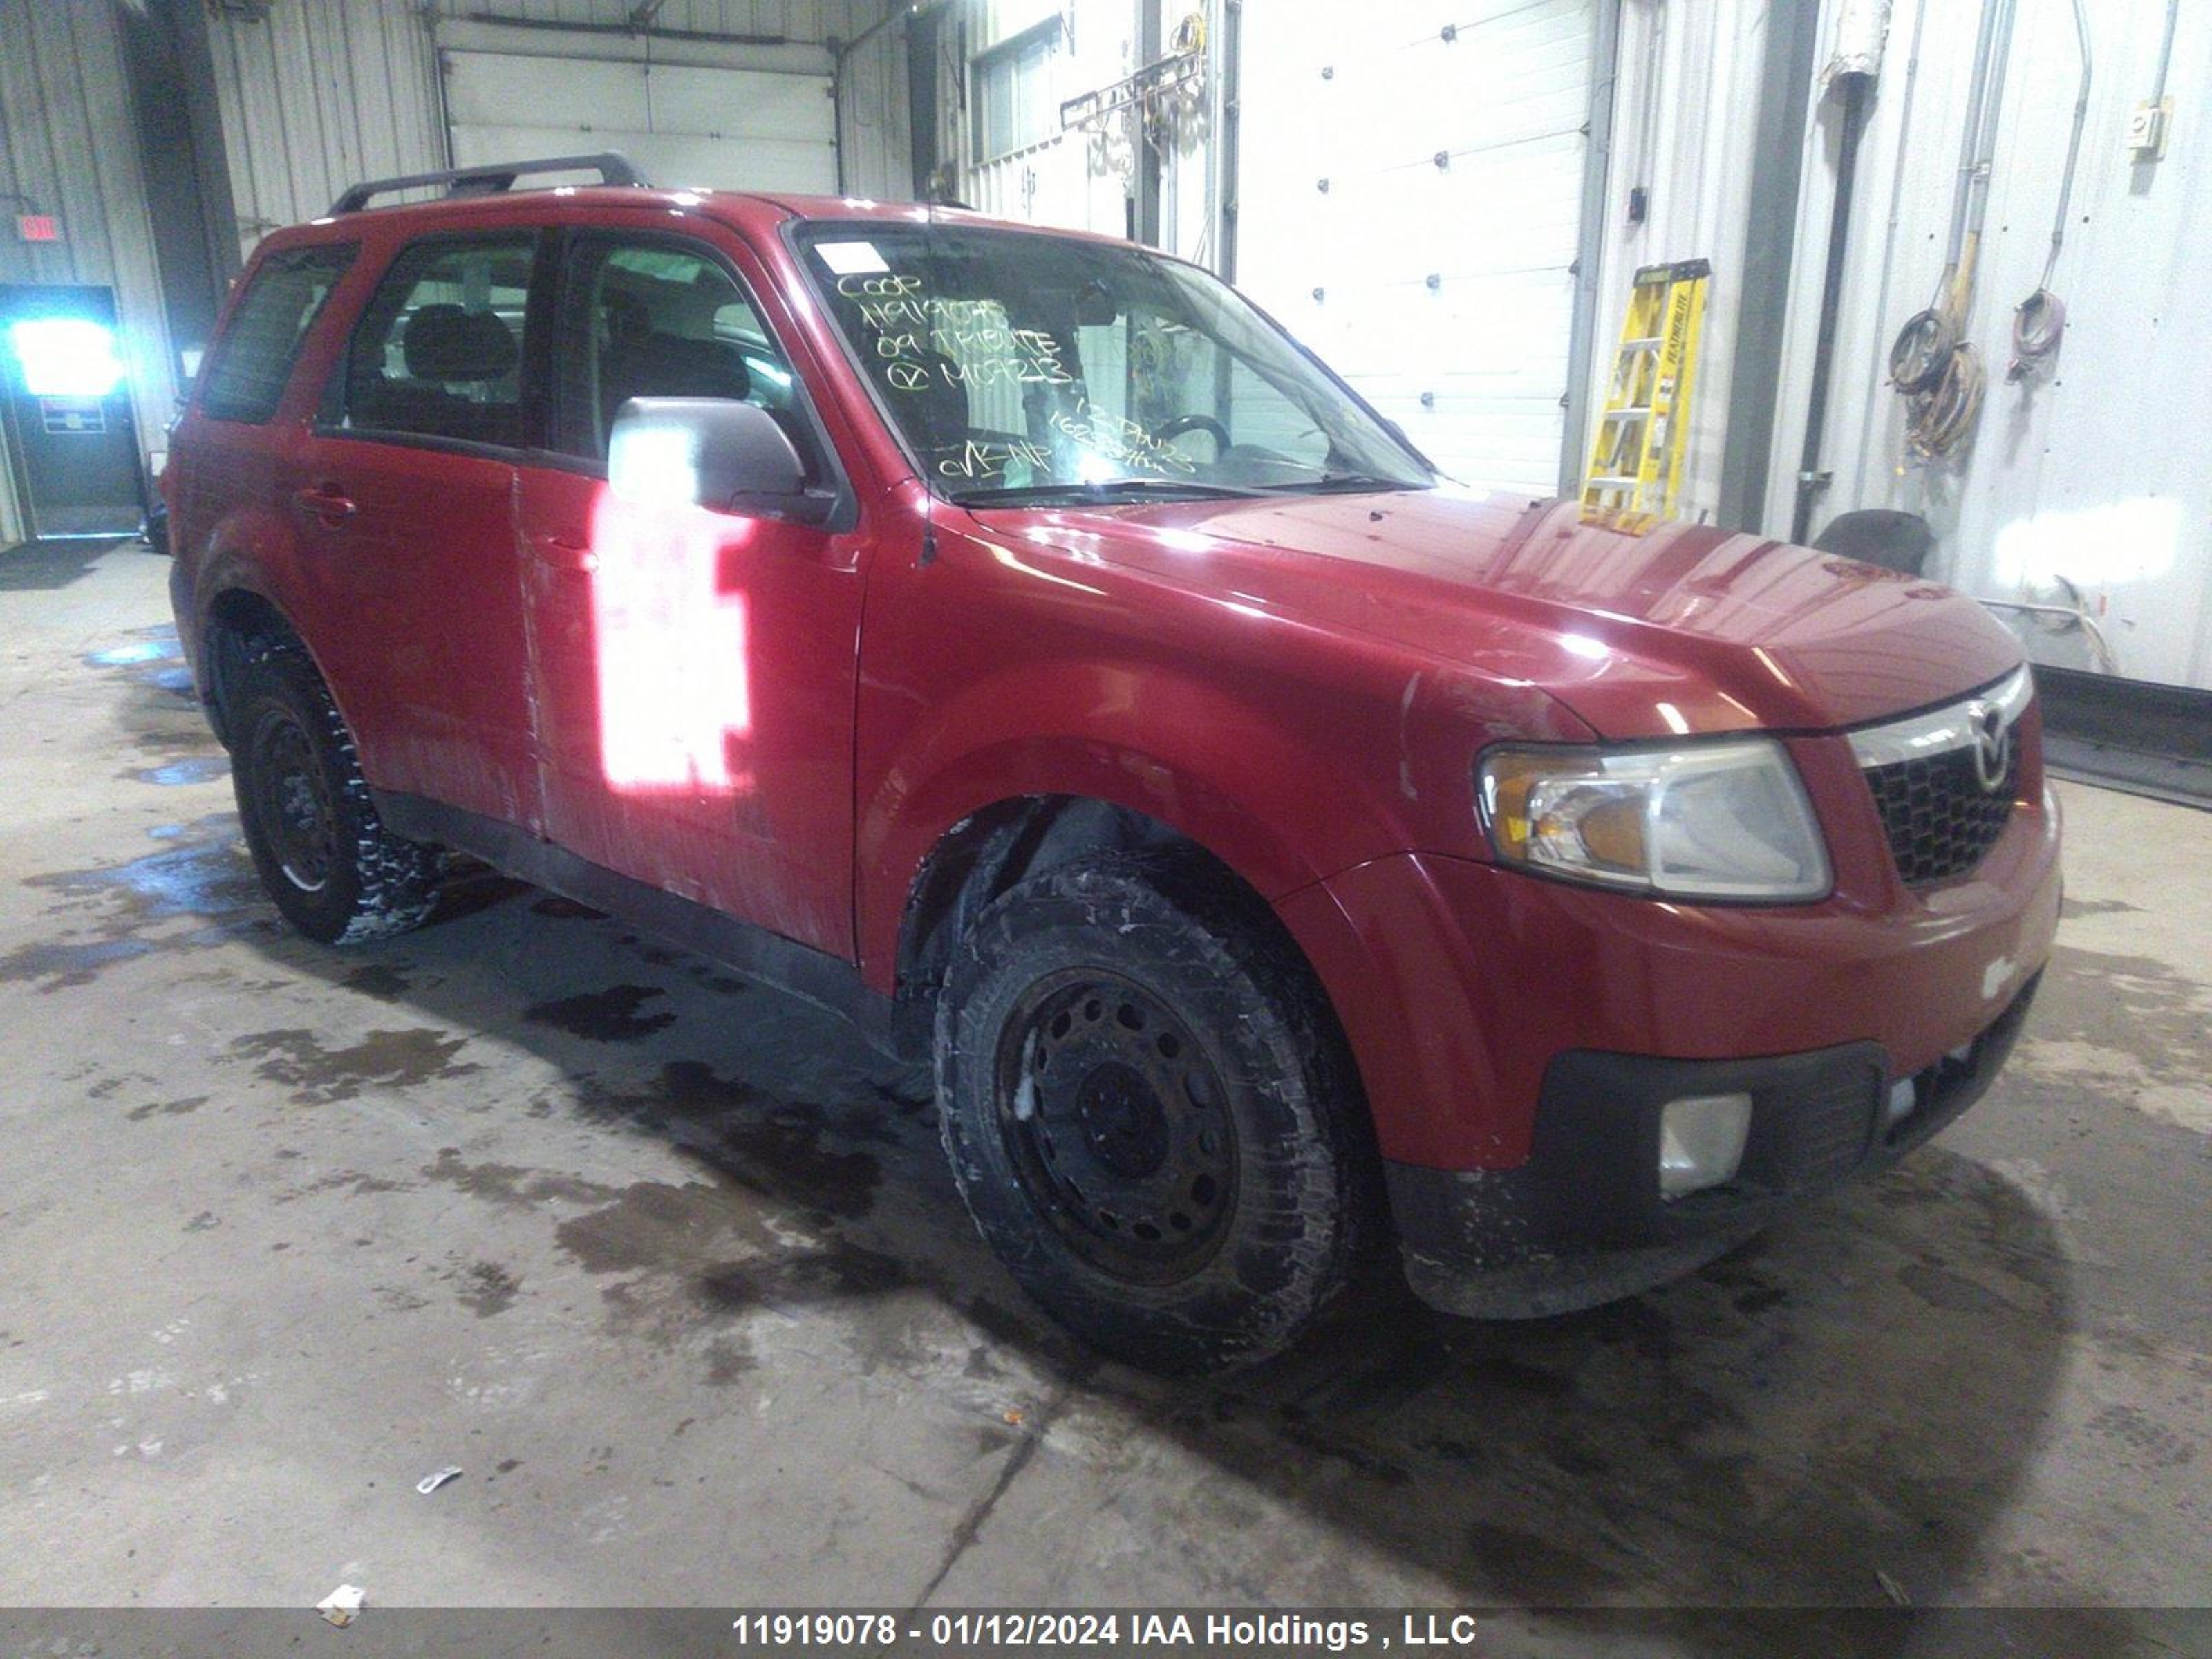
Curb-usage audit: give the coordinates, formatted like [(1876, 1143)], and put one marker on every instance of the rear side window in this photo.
[(439, 350), (245, 381)]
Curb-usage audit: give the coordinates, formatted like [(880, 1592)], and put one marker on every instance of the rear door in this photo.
[(693, 672), (403, 496)]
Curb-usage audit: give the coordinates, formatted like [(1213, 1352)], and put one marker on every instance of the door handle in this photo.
[(327, 501), (561, 554)]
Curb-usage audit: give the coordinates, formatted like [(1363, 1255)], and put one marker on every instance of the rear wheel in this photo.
[(1150, 1115), (324, 857)]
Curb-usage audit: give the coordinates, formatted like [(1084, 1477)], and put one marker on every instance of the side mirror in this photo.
[(714, 452)]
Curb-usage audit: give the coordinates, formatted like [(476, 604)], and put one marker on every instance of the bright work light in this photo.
[(65, 357)]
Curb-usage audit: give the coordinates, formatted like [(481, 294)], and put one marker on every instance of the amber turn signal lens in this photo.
[(1508, 780), (1614, 833)]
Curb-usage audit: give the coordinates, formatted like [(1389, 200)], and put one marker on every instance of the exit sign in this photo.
[(38, 227)]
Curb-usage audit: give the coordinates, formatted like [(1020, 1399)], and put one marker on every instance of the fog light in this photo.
[(1701, 1141)]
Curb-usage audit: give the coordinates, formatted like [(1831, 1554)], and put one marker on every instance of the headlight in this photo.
[(1707, 820)]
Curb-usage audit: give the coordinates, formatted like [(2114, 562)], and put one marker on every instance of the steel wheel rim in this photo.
[(1117, 1126), (292, 804)]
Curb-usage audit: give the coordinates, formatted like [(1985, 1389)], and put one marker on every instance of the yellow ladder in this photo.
[(1636, 460)]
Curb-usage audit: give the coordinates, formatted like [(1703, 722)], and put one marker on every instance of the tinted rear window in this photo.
[(245, 381)]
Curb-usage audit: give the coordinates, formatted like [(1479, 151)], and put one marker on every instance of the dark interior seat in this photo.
[(445, 346), (658, 365)]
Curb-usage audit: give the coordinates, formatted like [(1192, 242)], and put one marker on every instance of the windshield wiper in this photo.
[(1348, 483), (1110, 490)]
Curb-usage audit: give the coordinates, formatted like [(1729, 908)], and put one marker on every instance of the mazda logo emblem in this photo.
[(1993, 746)]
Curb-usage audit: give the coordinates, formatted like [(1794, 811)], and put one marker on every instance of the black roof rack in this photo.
[(491, 179)]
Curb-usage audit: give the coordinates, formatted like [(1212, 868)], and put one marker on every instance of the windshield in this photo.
[(1018, 365)]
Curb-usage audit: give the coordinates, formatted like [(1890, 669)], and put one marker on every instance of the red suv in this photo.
[(1017, 641)]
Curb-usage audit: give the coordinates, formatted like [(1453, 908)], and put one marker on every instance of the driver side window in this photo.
[(652, 319)]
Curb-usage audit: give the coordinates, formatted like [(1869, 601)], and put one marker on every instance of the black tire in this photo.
[(1151, 1114), (326, 859)]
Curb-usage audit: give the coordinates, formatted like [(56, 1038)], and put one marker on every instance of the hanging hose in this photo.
[(2040, 322), (1940, 375), (1937, 421), (1922, 348), (2037, 327)]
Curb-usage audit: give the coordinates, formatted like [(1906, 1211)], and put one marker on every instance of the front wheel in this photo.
[(1149, 1113), (323, 854)]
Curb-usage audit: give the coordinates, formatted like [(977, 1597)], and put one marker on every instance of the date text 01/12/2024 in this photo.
[(1190, 1632)]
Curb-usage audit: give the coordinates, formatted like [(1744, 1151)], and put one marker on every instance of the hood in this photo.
[(1681, 629)]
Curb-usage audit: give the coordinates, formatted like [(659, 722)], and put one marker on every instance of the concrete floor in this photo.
[(672, 1269)]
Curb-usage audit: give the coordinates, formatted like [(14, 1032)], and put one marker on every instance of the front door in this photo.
[(68, 409), (403, 503), (693, 672)]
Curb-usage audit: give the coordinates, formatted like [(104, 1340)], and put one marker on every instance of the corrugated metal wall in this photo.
[(68, 141), (875, 140), (315, 97), (2096, 475), (2091, 480)]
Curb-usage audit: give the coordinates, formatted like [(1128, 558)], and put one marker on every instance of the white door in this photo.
[(1409, 206), (728, 129)]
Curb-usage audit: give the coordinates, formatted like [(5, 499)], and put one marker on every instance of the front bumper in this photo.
[(1583, 1220), (1458, 982)]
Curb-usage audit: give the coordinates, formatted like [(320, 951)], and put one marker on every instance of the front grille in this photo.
[(1926, 773), (1940, 821)]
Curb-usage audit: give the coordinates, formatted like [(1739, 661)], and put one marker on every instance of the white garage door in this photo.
[(730, 128), (1410, 200)]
